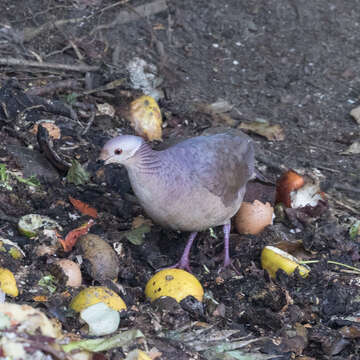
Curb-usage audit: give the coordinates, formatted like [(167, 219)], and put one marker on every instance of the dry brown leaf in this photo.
[(354, 148), (271, 132), (140, 220), (217, 111), (73, 235), (355, 113), (84, 208), (53, 130)]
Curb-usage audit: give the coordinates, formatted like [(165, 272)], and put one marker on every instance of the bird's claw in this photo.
[(182, 266), (228, 263)]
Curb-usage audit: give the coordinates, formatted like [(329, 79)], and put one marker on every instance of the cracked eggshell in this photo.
[(252, 218)]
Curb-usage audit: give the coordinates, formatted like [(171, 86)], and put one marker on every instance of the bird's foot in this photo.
[(183, 265), (228, 263)]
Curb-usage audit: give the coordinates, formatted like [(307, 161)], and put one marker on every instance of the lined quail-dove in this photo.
[(194, 185)]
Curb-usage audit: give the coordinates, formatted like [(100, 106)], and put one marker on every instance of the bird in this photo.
[(194, 185)]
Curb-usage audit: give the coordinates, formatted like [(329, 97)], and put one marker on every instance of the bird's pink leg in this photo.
[(184, 261), (226, 229)]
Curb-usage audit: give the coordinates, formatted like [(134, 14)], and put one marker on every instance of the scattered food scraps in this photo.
[(145, 118), (72, 237), (94, 295), (175, 283), (273, 259), (84, 208), (271, 132), (8, 282), (252, 218)]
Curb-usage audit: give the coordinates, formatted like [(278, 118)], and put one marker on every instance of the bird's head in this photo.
[(120, 149)]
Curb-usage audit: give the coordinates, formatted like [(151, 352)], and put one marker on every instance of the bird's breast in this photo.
[(181, 205)]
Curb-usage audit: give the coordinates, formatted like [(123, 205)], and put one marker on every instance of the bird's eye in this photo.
[(118, 151)]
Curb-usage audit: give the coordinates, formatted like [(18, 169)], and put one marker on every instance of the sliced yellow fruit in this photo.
[(145, 117), (273, 259), (94, 295), (175, 283), (8, 282)]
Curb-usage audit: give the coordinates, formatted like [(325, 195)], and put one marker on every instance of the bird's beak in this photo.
[(104, 157)]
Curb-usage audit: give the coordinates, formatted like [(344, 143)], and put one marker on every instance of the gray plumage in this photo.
[(191, 186)]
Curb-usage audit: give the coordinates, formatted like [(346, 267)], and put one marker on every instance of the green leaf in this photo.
[(4, 177), (31, 181), (77, 174), (136, 236), (212, 233), (125, 338), (71, 98), (354, 230), (48, 282)]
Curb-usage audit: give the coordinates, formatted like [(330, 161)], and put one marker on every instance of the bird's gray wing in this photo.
[(222, 163)]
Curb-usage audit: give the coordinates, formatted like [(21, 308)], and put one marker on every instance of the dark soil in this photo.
[(291, 63)]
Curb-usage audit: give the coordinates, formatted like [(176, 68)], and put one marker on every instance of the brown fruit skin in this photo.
[(100, 258), (252, 218), (288, 182)]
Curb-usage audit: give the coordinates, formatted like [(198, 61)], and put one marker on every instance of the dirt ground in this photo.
[(294, 64)]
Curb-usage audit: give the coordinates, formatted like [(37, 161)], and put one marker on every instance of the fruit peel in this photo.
[(175, 283), (145, 117), (96, 294), (273, 259), (8, 282)]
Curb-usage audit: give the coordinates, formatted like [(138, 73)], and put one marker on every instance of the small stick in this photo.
[(45, 65), (53, 86), (90, 122)]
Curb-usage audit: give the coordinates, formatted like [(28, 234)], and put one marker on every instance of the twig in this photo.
[(90, 122), (347, 207), (45, 65), (327, 168), (10, 219), (346, 188), (53, 86), (133, 14), (30, 33), (76, 50), (353, 268), (109, 86), (272, 164), (122, 2)]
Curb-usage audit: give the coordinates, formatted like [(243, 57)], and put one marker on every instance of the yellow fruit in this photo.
[(137, 355), (273, 259), (94, 295), (145, 117), (8, 282), (175, 283)]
